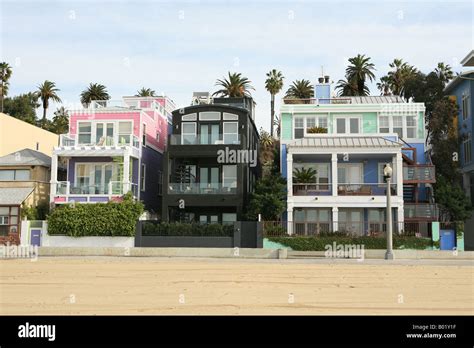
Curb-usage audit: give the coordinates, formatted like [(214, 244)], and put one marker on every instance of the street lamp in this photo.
[(387, 174)]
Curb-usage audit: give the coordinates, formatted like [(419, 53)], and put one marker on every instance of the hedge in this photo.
[(186, 229), (319, 243), (100, 219)]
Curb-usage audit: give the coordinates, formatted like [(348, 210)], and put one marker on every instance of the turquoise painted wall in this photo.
[(369, 122), (286, 127)]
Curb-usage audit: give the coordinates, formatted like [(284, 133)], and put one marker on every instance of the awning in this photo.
[(342, 141), (14, 196)]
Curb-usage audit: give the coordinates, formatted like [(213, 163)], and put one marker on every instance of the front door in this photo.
[(35, 236)]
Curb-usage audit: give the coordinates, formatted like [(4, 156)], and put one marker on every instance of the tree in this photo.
[(46, 91), (5, 74), (273, 84), (23, 107), (358, 72), (444, 72), (60, 123), (348, 88), (95, 91), (235, 86), (145, 92), (304, 175), (300, 89), (452, 201), (384, 86), (269, 198)]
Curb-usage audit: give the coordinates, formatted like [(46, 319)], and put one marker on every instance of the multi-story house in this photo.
[(24, 182), (461, 88), (333, 151), (211, 163), (113, 148)]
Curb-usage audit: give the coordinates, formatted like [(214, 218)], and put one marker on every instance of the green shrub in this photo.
[(319, 243), (100, 219), (186, 229)]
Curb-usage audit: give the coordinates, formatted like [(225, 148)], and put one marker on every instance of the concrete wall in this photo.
[(65, 241), (17, 135)]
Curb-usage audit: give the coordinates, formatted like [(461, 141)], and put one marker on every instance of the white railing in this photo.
[(119, 140), (112, 188)]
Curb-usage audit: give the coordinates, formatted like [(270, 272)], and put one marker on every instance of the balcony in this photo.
[(65, 192), (344, 189), (202, 189), (317, 101), (419, 173), (72, 140), (422, 211), (132, 103), (217, 139)]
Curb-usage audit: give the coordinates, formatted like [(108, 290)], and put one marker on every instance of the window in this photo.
[(299, 127), (340, 126), (82, 177), (14, 175), (467, 148), (229, 218), (229, 177), (230, 117), (210, 116), (384, 126), (158, 136), (160, 182), (321, 178), (349, 173), (354, 125), (189, 117), (411, 126), (398, 125), (323, 122), (209, 133), (85, 133), (465, 107), (144, 134), (9, 220), (143, 177), (209, 179), (4, 220), (231, 135), (124, 132), (310, 123), (188, 135)]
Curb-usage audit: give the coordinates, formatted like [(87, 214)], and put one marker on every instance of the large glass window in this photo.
[(398, 125), (85, 133), (9, 220), (354, 125), (14, 175), (340, 126), (124, 132), (384, 125), (299, 127), (231, 135), (209, 133), (411, 126), (188, 135), (209, 179), (210, 116), (229, 177)]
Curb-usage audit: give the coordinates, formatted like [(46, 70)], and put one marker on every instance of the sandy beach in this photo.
[(125, 285)]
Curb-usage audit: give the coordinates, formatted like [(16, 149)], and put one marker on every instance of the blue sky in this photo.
[(177, 47)]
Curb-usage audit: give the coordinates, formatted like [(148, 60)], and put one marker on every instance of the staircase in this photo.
[(408, 193)]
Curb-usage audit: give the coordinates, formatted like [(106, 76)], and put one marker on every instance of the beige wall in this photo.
[(16, 135)]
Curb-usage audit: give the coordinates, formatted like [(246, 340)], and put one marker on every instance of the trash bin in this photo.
[(447, 239)]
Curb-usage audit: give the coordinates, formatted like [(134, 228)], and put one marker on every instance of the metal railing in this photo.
[(312, 189), (317, 101), (421, 210), (201, 188), (120, 140), (199, 139), (365, 189), (419, 173), (64, 188), (345, 228)]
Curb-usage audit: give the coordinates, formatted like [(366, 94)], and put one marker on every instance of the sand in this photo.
[(125, 285)]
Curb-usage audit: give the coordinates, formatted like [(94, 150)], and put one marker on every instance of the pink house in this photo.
[(113, 148)]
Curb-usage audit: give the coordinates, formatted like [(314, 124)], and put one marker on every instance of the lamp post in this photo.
[(387, 173)]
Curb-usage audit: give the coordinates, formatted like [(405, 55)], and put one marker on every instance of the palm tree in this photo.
[(359, 71), (5, 74), (277, 125), (300, 89), (401, 73), (444, 72), (95, 91), (273, 84), (60, 123), (304, 175), (46, 91), (347, 88), (145, 92), (384, 85), (235, 86)]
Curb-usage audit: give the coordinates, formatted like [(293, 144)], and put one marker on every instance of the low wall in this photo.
[(398, 254), (186, 241), (65, 241)]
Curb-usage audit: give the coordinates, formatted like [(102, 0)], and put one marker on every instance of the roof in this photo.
[(469, 59), (14, 196), (376, 99), (457, 80), (343, 141), (26, 157)]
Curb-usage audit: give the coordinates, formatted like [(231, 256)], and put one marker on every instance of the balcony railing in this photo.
[(420, 173), (120, 140), (311, 189), (365, 189), (199, 139), (317, 101), (201, 188), (420, 211), (113, 188)]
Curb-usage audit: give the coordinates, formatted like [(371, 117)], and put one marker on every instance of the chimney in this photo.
[(322, 90)]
